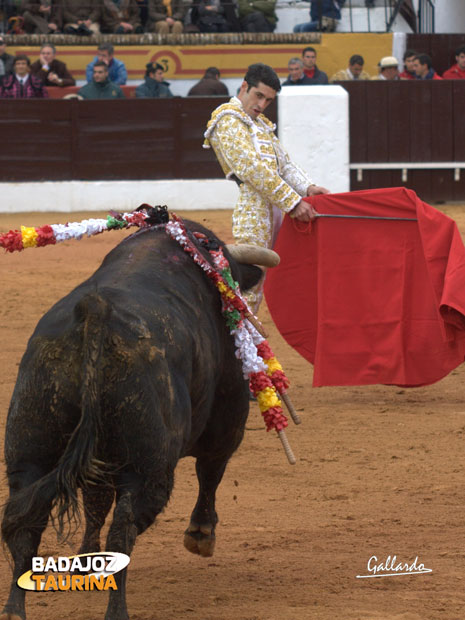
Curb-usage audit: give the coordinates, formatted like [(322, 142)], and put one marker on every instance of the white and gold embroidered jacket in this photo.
[(249, 149)]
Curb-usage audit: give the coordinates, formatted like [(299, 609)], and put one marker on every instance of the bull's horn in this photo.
[(249, 254)]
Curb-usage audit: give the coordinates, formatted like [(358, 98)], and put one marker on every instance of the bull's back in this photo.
[(162, 339)]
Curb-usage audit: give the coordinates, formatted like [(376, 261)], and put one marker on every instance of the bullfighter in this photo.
[(249, 153)]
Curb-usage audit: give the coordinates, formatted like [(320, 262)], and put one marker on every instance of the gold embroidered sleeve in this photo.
[(291, 172), (234, 140)]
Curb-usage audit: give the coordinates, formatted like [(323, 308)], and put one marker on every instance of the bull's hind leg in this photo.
[(97, 503), (200, 535), (24, 520), (139, 500)]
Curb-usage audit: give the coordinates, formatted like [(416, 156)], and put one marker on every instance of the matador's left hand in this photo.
[(313, 190)]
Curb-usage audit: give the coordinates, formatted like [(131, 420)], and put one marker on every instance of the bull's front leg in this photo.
[(199, 537)]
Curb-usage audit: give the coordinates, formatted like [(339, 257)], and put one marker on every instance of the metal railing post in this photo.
[(394, 14), (350, 13)]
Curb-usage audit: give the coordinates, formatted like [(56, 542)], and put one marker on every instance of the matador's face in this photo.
[(255, 99)]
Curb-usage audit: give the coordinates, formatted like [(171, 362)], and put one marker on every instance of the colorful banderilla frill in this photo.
[(260, 367), (30, 237)]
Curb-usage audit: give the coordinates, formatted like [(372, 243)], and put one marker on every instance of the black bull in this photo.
[(131, 371)]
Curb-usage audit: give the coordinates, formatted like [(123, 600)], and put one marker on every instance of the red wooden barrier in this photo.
[(408, 122), (57, 92), (416, 122)]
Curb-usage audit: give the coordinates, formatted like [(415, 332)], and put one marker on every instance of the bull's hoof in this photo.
[(8, 616), (200, 539)]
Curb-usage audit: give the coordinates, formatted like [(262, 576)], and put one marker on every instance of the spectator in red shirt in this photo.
[(423, 66), (409, 58), (457, 71), (21, 84), (310, 69)]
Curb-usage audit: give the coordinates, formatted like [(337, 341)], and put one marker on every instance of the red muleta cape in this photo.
[(372, 301)]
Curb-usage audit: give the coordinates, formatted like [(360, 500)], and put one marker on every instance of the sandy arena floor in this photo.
[(379, 472)]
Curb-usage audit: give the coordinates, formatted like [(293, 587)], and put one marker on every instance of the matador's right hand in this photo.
[(303, 212)]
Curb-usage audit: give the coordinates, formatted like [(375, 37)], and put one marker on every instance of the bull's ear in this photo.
[(250, 275)]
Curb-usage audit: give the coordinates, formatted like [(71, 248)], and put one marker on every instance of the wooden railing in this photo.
[(398, 131), (415, 124), (133, 139)]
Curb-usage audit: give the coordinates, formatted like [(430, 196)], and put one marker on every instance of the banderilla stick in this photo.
[(367, 217), (287, 447), (290, 407), (256, 323)]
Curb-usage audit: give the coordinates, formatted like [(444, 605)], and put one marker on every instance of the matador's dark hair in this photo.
[(262, 73)]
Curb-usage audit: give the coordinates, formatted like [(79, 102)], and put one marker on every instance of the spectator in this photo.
[(51, 71), (8, 8), (15, 24), (2, 69), (409, 58), (20, 84), (154, 84), (324, 16), (101, 87), (310, 69), (388, 69), (7, 59), (353, 72), (257, 15), (423, 66), (297, 76), (209, 85), (214, 16), (143, 6), (42, 17), (457, 71), (166, 16), (116, 68), (120, 17), (82, 18)]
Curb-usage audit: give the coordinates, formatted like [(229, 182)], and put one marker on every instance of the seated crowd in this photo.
[(85, 17), (416, 66), (105, 74)]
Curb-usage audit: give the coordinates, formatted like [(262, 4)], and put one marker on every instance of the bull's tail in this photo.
[(78, 465)]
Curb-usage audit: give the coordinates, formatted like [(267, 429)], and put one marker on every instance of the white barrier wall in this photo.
[(67, 196), (313, 126), (449, 16)]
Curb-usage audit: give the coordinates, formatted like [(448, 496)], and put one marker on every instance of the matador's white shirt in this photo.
[(249, 149)]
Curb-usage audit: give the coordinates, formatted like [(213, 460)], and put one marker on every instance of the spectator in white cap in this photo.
[(388, 69)]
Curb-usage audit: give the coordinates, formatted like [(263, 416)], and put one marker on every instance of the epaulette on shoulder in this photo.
[(227, 109), (266, 121)]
